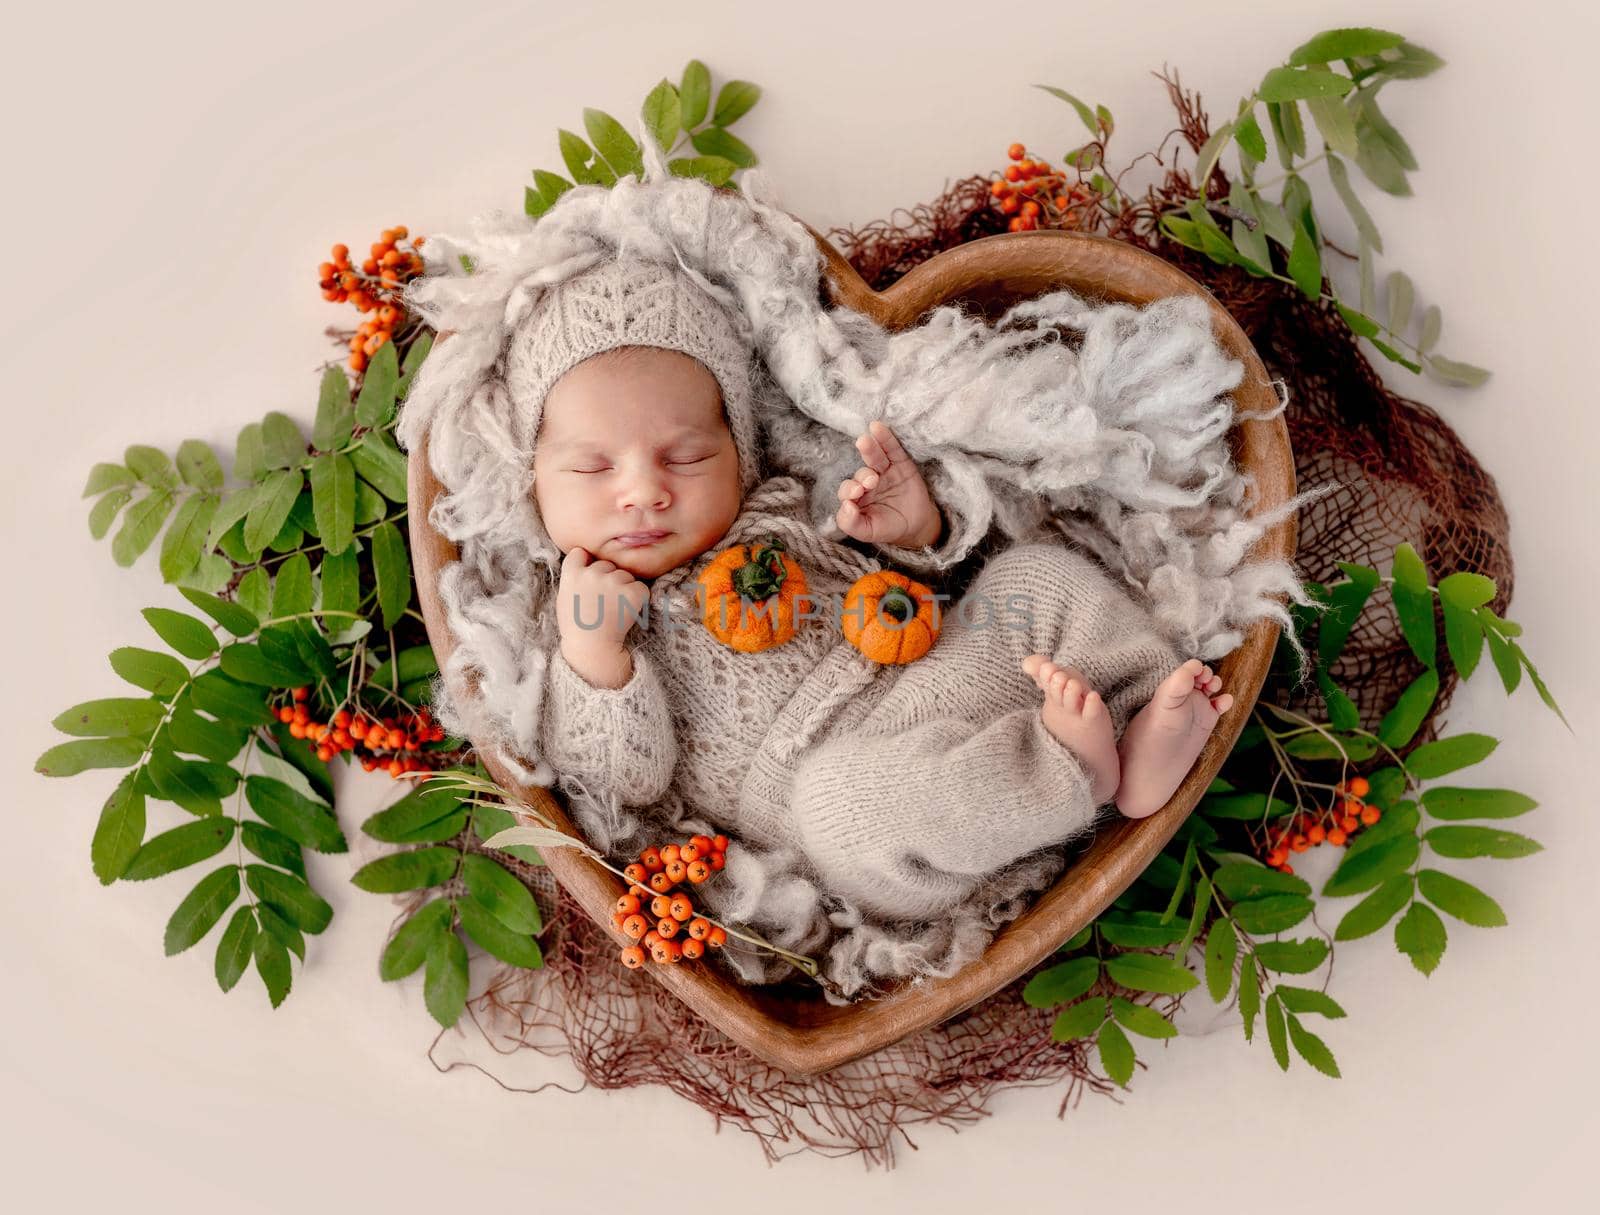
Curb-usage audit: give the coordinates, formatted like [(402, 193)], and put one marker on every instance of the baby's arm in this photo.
[(888, 502), (606, 716)]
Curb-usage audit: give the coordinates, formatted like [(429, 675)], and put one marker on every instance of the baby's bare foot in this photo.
[(1074, 713), (1164, 738)]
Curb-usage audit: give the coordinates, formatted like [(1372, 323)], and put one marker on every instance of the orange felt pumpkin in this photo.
[(890, 618), (749, 604)]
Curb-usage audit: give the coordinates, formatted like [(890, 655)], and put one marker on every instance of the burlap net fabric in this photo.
[(1403, 476)]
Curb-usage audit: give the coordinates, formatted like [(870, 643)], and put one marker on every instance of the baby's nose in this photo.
[(645, 491)]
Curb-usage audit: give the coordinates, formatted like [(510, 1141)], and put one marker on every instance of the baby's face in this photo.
[(636, 443)]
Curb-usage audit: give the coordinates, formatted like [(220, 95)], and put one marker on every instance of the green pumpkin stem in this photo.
[(760, 577), (898, 604)]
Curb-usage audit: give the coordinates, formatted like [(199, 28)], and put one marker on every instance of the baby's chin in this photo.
[(651, 560)]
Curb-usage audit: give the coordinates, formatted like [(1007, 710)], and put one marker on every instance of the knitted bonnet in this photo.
[(644, 303)]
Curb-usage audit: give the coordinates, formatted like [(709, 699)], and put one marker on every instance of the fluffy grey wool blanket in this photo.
[(1100, 424)]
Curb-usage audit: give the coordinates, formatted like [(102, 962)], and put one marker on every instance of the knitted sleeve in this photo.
[(621, 740)]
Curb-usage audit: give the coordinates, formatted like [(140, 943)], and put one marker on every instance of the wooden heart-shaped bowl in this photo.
[(804, 1036)]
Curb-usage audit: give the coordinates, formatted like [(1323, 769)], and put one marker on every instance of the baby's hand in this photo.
[(598, 593), (887, 501)]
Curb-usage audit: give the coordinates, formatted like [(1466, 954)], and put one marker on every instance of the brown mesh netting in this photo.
[(1405, 477)]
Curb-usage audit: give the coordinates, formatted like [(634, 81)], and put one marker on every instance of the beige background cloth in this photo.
[(187, 168)]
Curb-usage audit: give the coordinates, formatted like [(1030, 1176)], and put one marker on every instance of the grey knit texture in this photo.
[(1096, 428)]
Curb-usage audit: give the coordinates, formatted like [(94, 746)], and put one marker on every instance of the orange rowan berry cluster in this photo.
[(390, 743), (1335, 824), (661, 917), (1034, 193), (371, 290)]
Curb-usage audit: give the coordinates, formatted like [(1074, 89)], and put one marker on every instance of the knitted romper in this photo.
[(903, 787)]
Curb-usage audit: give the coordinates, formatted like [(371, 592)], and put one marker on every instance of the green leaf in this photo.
[(1312, 1048), (501, 893), (1400, 723), (415, 662), (1435, 759), (1247, 134), (1346, 601), (1274, 913), (613, 142), (1366, 101), (1116, 1053), (140, 526), (286, 933), (1463, 636), (1420, 935), (1150, 972), (1197, 915), (302, 820), (1400, 293), (71, 758), (1062, 983), (1243, 880), (1376, 155), (1376, 910), (1459, 841), (201, 909), (227, 698), (380, 384), (333, 498), (291, 897), (1306, 1000), (1294, 84), (235, 948), (1457, 375), (1142, 1020), (1180, 885), (104, 512), (335, 417), (392, 569), (714, 141), (250, 454), (489, 821), (151, 466), (1342, 711), (1079, 1021), (1084, 112), (1332, 45), (414, 870), (119, 832), (423, 344), (1340, 176), (1360, 324), (190, 637), (196, 785), (444, 984), (578, 157), (270, 510), (341, 588), (1244, 806), (213, 572), (1293, 957), (1140, 929), (195, 735), (107, 476), (250, 663), (235, 506), (408, 948), (1287, 132), (198, 465), (1334, 120), (1222, 947), (1505, 661), (1249, 995), (1461, 899), (1276, 1036), (272, 963), (283, 446), (112, 717), (1432, 323), (272, 846), (1363, 870), (382, 465), (662, 113), (1413, 602), (180, 847), (302, 754), (1448, 802), (413, 813), (1305, 264), (493, 936), (155, 672), (734, 101), (694, 92)]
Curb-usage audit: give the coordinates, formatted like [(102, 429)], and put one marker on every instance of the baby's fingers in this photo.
[(853, 488)]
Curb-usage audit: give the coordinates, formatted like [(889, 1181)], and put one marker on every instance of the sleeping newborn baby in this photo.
[(905, 788)]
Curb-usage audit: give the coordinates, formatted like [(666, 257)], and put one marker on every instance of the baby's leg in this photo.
[(1166, 736)]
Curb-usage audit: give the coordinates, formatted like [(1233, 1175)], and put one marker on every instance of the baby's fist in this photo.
[(887, 501), (597, 603)]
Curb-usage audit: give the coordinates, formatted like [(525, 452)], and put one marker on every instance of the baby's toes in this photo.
[(1222, 703), (1213, 685), (1093, 707), (1072, 695), (1036, 667), (1056, 687)]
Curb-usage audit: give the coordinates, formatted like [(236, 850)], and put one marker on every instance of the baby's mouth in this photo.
[(641, 539)]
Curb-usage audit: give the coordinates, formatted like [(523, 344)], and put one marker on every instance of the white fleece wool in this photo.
[(1102, 424)]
